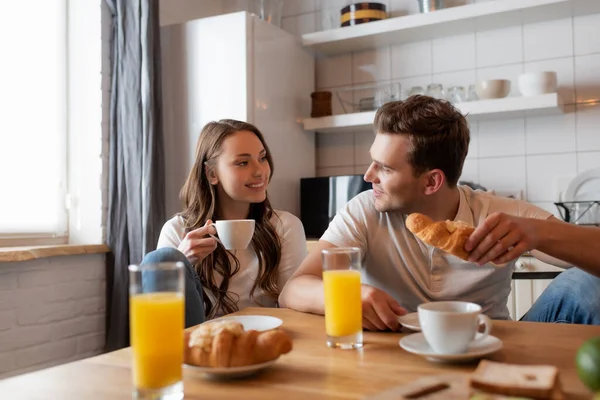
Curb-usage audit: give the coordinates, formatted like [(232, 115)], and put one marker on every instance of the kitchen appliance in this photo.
[(580, 212), (322, 197)]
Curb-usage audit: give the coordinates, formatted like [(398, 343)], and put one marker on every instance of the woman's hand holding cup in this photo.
[(196, 245)]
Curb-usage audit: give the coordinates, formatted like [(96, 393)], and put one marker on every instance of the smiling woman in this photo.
[(228, 181)]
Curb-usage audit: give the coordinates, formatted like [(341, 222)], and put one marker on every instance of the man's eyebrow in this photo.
[(382, 164)]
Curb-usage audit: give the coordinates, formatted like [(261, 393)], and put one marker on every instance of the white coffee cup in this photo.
[(450, 326), (235, 234)]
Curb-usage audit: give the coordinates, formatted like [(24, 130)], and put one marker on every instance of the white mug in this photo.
[(235, 234), (450, 326)]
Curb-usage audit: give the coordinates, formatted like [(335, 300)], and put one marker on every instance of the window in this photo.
[(33, 129)]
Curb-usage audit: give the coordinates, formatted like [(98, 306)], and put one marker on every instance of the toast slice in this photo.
[(533, 381)]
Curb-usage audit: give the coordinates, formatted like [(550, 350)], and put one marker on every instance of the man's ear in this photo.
[(434, 180), (211, 175)]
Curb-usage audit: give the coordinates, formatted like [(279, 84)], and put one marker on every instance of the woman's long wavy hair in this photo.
[(200, 204)]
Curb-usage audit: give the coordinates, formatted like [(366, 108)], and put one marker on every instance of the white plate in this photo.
[(571, 194), (231, 373), (417, 344), (256, 322), (410, 321)]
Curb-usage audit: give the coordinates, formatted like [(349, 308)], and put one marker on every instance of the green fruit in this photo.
[(587, 361)]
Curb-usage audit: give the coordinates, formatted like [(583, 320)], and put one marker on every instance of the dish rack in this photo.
[(368, 97), (580, 212)]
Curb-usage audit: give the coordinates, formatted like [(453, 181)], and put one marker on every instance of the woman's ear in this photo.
[(211, 175)]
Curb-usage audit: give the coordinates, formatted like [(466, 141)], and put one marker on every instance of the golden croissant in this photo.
[(449, 236), (227, 344)]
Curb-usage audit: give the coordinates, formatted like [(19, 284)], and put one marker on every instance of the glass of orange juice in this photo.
[(343, 302), (156, 320)]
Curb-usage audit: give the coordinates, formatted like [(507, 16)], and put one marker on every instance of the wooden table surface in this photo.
[(312, 370)]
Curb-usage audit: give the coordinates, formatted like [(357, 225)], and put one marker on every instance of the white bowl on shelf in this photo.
[(537, 83), (492, 89)]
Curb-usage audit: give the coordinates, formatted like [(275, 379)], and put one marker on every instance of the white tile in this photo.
[(361, 169), (588, 127), (362, 145), (542, 171), (587, 161), (551, 134), (510, 72), (334, 71), (565, 75), (587, 77), (549, 39), (299, 24), (474, 139), (295, 7), (335, 149), (399, 8), (454, 53), (501, 138), (371, 65), (335, 171), (510, 40), (587, 34), (449, 79), (470, 171), (409, 83), (411, 59), (502, 173)]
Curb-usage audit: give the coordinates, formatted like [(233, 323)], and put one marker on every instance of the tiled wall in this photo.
[(525, 154)]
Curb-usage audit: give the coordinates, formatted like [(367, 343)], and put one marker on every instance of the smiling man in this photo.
[(417, 158)]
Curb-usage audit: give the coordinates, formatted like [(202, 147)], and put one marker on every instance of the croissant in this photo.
[(449, 236), (226, 344)]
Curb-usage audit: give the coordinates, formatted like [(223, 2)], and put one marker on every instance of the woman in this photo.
[(228, 180)]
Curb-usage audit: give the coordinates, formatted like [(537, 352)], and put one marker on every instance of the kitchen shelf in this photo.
[(447, 22), (508, 107)]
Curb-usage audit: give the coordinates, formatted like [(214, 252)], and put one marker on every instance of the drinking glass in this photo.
[(435, 90), (456, 94), (343, 303), (157, 315)]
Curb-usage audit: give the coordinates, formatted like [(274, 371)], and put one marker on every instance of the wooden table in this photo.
[(312, 370)]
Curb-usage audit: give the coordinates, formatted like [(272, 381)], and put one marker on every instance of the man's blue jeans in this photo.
[(573, 297), (194, 304)]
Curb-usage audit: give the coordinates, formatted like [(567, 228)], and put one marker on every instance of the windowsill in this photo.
[(26, 253)]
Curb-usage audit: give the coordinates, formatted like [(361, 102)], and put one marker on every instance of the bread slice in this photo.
[(535, 381)]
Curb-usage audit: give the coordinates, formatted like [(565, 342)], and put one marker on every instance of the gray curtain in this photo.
[(136, 204)]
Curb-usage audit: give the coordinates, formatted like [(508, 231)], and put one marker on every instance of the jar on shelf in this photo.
[(415, 90), (435, 90), (456, 94)]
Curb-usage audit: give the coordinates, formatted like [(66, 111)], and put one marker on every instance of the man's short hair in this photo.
[(438, 132)]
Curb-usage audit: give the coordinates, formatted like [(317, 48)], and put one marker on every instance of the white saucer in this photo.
[(410, 321), (417, 344), (254, 322), (230, 373)]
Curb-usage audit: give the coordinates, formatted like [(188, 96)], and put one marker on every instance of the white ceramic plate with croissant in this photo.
[(222, 348), (259, 323), (231, 372)]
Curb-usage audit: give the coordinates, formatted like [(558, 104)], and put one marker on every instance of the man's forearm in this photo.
[(574, 244), (304, 293)]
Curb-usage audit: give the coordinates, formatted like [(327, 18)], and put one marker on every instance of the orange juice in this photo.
[(157, 322), (343, 304)]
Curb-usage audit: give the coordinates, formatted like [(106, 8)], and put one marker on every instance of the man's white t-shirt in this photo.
[(412, 272), (293, 251)]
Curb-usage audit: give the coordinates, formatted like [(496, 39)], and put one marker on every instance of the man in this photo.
[(418, 154)]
